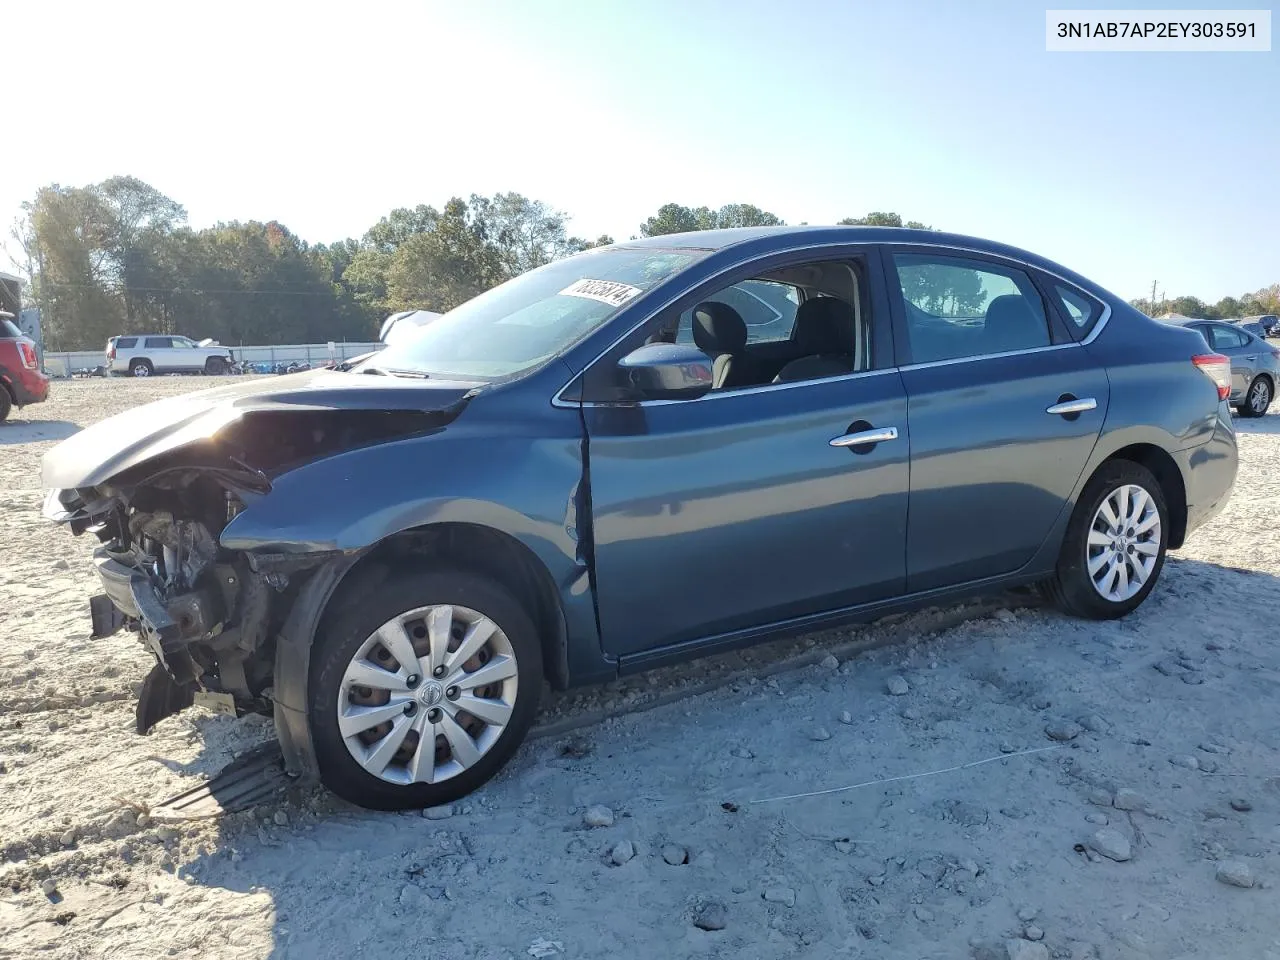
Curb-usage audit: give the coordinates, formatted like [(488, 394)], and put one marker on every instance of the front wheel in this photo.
[(1258, 398), (421, 690), (215, 366), (1115, 544)]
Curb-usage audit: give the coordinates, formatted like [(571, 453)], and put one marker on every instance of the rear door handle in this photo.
[(877, 435), (1068, 407), (1251, 359)]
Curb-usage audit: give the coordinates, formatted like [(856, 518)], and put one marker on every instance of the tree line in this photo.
[(119, 257), (1258, 303)]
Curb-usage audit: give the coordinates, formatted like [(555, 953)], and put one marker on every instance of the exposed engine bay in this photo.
[(208, 614)]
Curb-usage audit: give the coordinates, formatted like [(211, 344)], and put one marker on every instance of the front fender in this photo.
[(528, 488), (525, 487)]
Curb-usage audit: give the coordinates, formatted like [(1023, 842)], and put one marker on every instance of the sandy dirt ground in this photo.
[(1127, 805)]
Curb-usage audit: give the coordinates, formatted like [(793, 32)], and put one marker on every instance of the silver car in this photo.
[(1255, 364)]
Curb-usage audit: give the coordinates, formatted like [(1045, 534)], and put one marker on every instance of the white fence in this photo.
[(62, 363)]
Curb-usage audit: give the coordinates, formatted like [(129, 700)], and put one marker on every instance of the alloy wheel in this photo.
[(1123, 543), (427, 694), (1260, 396)]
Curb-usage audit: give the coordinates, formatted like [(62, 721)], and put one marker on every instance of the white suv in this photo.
[(141, 355)]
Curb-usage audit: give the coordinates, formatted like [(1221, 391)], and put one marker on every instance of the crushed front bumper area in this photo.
[(166, 628)]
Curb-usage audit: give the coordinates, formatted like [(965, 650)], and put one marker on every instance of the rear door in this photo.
[(735, 510), (1004, 406), (1243, 351), (159, 350)]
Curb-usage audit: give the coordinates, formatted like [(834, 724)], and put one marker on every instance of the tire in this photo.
[(6, 403), (215, 366), (141, 368), (1072, 588), (1257, 399), (350, 629)]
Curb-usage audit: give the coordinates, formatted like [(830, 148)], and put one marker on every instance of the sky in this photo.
[(1128, 167)]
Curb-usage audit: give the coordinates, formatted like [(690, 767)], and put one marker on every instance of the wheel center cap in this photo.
[(431, 694)]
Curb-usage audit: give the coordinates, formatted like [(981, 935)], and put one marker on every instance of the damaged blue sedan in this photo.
[(637, 455)]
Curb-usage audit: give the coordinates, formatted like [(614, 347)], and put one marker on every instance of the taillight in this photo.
[(111, 350), (1218, 369), (28, 354)]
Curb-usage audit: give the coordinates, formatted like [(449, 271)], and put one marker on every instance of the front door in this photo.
[(736, 510), (1004, 410)]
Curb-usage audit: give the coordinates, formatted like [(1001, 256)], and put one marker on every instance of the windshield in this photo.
[(528, 320)]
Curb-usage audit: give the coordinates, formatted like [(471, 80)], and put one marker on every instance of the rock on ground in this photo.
[(622, 852), (598, 816), (1127, 799), (1235, 874), (712, 915), (1112, 844), (783, 895), (897, 686), (1026, 950)]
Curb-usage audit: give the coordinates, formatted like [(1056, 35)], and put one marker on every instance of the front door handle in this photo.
[(1068, 407), (1251, 359), (875, 435)]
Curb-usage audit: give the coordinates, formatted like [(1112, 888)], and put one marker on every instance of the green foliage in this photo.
[(1264, 301), (674, 218), (117, 257), (879, 218)]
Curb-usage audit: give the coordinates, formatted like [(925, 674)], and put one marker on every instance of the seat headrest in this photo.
[(824, 327), (1011, 324), (718, 328)]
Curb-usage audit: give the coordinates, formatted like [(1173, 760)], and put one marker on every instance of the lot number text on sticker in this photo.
[(606, 291)]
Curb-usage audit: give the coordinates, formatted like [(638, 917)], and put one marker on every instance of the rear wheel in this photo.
[(6, 403), (140, 368), (1257, 399), (1115, 544), (421, 690)]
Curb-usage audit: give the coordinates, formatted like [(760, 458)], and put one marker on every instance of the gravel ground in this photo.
[(1017, 786)]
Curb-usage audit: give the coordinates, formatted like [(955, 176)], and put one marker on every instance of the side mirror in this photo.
[(667, 371)]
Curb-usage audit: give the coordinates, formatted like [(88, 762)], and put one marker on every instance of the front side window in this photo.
[(957, 308), (767, 307), (533, 318), (807, 321)]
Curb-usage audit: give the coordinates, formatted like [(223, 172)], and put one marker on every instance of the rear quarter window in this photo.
[(126, 343), (1080, 308)]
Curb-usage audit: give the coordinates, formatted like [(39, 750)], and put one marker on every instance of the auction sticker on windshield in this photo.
[(606, 291)]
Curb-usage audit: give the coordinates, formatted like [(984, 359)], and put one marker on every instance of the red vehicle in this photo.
[(21, 380)]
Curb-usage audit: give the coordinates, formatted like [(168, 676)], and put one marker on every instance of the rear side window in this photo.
[(1081, 309), (159, 343), (126, 343), (958, 308), (7, 329)]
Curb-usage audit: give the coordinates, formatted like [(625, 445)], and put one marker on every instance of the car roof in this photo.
[(768, 239)]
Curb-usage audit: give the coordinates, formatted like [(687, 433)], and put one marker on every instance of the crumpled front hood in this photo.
[(100, 452)]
